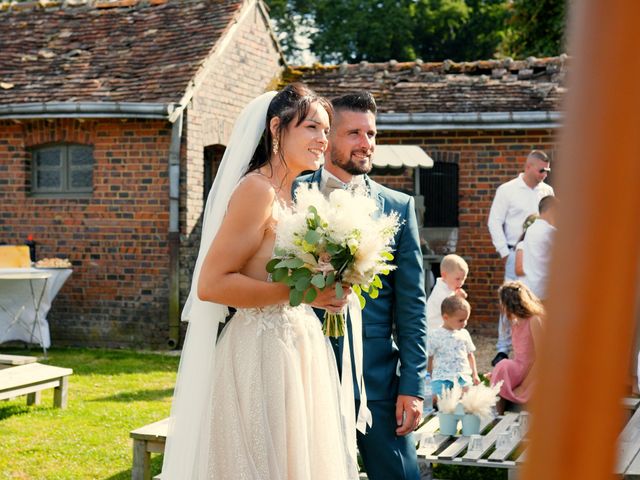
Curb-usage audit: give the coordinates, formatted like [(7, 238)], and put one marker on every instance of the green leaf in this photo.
[(331, 277), (339, 291), (295, 297), (387, 255), (318, 280), (377, 282), (312, 237), (310, 295), (373, 293), (300, 273), (293, 262), (302, 283), (271, 265), (279, 274)]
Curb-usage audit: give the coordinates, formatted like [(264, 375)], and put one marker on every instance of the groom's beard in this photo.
[(350, 164)]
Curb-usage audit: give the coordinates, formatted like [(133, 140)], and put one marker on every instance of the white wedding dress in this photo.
[(277, 415), (276, 406)]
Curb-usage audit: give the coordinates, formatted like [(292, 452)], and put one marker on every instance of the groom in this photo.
[(394, 394)]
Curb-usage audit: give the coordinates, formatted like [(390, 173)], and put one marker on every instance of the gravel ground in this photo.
[(484, 337)]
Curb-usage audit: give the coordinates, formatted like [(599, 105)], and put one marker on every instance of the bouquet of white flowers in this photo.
[(325, 242)]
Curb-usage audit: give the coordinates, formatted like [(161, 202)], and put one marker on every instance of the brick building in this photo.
[(112, 117), (477, 121)]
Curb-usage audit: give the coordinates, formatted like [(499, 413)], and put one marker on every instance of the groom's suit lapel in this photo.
[(376, 193)]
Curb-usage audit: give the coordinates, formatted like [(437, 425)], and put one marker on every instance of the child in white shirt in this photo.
[(450, 348), (453, 273)]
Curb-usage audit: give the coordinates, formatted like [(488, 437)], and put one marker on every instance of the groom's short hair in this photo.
[(356, 102)]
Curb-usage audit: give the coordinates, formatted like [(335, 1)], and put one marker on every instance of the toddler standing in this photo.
[(450, 348), (453, 273)]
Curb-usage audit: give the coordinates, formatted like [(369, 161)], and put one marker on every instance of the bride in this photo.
[(263, 403)]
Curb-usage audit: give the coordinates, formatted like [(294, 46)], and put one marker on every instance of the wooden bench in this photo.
[(8, 361), (31, 379), (453, 450), (147, 440)]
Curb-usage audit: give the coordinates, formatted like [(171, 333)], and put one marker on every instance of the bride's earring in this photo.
[(276, 146)]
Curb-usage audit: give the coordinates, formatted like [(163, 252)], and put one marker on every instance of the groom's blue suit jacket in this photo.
[(401, 301)]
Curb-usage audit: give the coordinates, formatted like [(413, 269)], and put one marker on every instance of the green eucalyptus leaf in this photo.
[(300, 273), (331, 277), (377, 282), (312, 237), (295, 297), (271, 265), (339, 291), (279, 274), (318, 280), (294, 263), (310, 295), (302, 283)]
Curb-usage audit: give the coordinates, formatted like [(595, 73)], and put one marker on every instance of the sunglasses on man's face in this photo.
[(544, 170)]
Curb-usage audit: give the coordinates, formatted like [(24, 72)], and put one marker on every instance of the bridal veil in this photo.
[(189, 433)]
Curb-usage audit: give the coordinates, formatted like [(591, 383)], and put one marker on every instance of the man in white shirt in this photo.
[(513, 202), (536, 247)]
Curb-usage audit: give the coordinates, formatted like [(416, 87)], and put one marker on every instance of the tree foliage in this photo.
[(433, 30), (536, 28)]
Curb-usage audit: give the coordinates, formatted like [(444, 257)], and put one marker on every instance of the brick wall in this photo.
[(116, 238), (248, 66), (486, 160)]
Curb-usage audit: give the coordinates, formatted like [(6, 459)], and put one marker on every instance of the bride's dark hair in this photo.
[(291, 104)]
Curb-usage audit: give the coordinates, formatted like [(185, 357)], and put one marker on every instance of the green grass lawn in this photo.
[(111, 392)]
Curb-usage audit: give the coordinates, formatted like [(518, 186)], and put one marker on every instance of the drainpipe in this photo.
[(174, 232)]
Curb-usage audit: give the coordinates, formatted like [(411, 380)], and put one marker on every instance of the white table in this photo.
[(26, 295)]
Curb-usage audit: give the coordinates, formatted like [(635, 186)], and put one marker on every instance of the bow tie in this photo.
[(333, 184)]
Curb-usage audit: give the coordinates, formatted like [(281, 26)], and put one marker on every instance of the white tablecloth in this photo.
[(15, 293)]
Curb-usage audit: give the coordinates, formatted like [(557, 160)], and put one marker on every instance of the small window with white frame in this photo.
[(62, 170)]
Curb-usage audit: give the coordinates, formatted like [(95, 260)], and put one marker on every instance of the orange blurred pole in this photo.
[(584, 358)]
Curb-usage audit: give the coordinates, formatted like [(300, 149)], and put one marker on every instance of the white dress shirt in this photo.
[(356, 180), (536, 248), (513, 203), (434, 305)]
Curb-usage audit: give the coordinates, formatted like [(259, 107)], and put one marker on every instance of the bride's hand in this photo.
[(327, 299)]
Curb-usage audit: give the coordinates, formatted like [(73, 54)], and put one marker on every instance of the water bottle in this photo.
[(427, 405)]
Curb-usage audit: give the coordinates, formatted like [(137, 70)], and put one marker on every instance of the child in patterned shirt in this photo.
[(450, 348)]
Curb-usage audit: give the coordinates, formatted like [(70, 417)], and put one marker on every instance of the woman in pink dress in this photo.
[(524, 310)]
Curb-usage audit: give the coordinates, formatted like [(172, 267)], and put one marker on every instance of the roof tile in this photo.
[(143, 53), (504, 85)]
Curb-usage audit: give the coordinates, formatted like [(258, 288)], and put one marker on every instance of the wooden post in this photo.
[(34, 398), (141, 461), (60, 393), (576, 409)]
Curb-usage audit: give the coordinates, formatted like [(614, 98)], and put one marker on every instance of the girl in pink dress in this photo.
[(524, 310)]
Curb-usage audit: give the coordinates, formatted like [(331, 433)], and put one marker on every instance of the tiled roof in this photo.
[(445, 87), (101, 50)]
